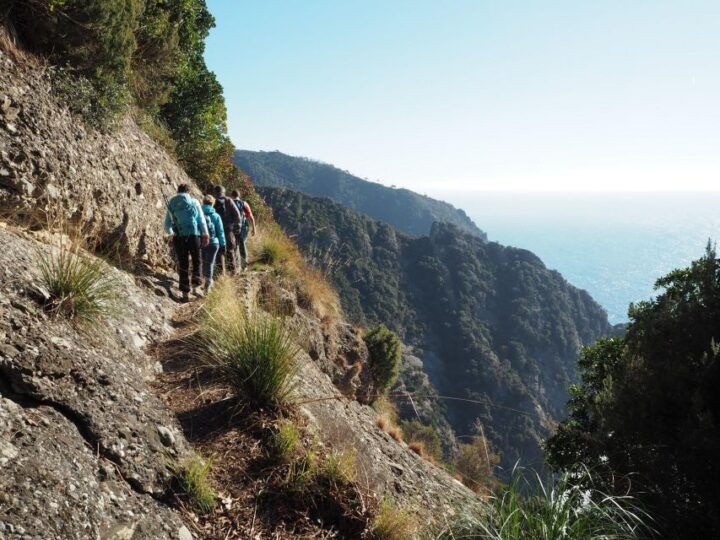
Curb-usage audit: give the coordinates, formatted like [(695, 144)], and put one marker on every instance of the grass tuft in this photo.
[(558, 510), (392, 523), (81, 287), (191, 479), (285, 440), (339, 468), (254, 353)]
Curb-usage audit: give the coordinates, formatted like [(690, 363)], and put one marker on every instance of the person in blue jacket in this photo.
[(185, 223), (216, 234)]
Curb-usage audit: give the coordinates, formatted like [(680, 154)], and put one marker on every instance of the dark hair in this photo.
[(183, 188), (235, 194), (219, 191)]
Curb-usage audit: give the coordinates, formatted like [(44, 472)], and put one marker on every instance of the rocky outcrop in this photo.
[(53, 168), (84, 444)]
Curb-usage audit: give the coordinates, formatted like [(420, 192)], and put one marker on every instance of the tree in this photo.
[(385, 353), (646, 416)]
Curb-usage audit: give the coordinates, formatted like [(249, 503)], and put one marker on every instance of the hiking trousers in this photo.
[(227, 257), (187, 249), (240, 240), (209, 253)]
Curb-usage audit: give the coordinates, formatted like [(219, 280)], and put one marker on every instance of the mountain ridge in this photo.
[(490, 323), (407, 210)]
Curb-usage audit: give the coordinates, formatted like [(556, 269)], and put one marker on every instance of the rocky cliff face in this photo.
[(85, 441), (53, 168)]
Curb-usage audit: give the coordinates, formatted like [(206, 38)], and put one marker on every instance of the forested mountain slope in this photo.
[(408, 211), (491, 323)]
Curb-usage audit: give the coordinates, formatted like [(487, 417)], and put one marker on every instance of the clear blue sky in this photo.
[(473, 94)]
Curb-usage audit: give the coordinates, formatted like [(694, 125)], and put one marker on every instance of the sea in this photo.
[(613, 245)]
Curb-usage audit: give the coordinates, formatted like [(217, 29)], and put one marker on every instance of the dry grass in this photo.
[(418, 447), (253, 352), (272, 249), (395, 432), (392, 523), (9, 44)]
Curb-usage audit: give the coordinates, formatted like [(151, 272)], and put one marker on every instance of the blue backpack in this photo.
[(212, 233)]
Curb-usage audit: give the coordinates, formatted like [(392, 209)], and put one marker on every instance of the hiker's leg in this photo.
[(209, 254), (181, 251), (242, 249), (194, 249), (230, 253)]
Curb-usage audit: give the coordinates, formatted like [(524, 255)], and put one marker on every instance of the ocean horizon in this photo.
[(615, 245)]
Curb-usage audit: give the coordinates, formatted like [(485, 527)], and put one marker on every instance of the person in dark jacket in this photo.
[(231, 219), (241, 234), (217, 240), (185, 224)]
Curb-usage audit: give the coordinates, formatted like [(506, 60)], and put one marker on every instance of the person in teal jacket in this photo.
[(185, 223), (216, 241)]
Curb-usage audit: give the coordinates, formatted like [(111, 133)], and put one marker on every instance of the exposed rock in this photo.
[(53, 167)]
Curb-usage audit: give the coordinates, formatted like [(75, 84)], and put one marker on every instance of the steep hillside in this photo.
[(490, 323), (408, 211), (97, 419)]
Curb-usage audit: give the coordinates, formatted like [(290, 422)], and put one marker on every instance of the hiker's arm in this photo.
[(251, 218), (168, 223), (220, 230)]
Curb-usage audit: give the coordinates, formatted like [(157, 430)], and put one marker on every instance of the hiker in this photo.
[(185, 224), (231, 219), (241, 233), (217, 240)]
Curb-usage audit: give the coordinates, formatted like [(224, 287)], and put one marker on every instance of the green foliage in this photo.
[(646, 414), (414, 431), (502, 329), (475, 464), (393, 523), (557, 511), (406, 210), (149, 53), (385, 354), (192, 482), (80, 286), (285, 439), (254, 353)]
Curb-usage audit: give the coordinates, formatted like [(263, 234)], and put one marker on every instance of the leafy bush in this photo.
[(392, 523), (476, 464), (645, 415), (192, 482), (425, 438), (385, 354), (558, 511), (254, 353), (80, 286)]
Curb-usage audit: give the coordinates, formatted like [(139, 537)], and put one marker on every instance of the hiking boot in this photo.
[(198, 291), (185, 297), (208, 286)]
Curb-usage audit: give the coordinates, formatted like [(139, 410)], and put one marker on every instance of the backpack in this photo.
[(243, 218), (210, 226), (226, 214), (182, 211)]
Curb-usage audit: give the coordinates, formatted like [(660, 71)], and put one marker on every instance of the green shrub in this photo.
[(385, 354), (274, 249), (416, 432), (192, 482), (255, 353), (392, 523), (556, 512), (80, 286), (475, 464), (285, 439)]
